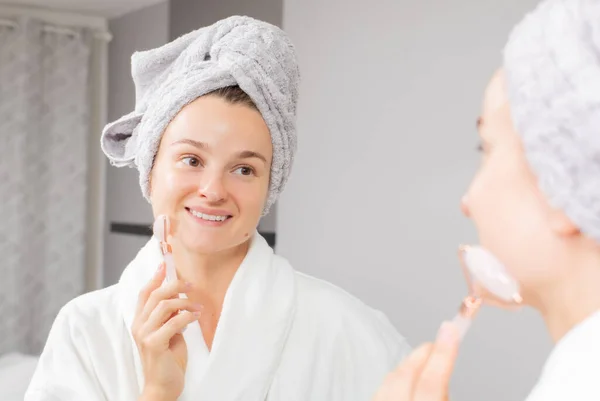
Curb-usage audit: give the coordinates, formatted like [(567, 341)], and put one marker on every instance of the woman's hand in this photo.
[(156, 329), (425, 374)]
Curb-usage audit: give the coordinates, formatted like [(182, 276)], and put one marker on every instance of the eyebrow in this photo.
[(245, 154), (248, 154), (187, 141)]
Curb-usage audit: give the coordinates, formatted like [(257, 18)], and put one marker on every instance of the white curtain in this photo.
[(44, 135)]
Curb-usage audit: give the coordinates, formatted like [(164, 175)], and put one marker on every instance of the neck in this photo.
[(572, 300), (209, 274)]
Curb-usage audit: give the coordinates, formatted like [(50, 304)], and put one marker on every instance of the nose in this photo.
[(464, 206), (212, 187)]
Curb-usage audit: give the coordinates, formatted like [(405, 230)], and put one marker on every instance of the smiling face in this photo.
[(513, 218), (211, 173)]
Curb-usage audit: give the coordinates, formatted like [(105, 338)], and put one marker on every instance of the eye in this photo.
[(191, 161), (245, 170), (480, 147)]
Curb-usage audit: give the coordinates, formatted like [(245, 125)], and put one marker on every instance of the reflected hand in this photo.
[(425, 374)]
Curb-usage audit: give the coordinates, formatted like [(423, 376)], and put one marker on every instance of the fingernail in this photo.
[(198, 307), (197, 313), (188, 285), (448, 334)]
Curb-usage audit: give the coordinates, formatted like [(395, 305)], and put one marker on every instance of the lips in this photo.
[(209, 215)]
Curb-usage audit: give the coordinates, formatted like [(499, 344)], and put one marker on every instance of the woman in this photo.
[(540, 182), (213, 136)]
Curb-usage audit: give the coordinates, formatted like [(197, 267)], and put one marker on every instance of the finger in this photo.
[(168, 291), (166, 309), (434, 380), (401, 382), (152, 285), (162, 337)]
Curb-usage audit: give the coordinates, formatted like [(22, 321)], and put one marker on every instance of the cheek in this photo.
[(507, 215), (169, 188), (251, 196), (498, 197)]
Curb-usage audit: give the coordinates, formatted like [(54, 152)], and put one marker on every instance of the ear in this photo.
[(561, 225)]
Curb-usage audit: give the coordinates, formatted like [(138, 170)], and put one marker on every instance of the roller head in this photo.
[(161, 228), (487, 271)]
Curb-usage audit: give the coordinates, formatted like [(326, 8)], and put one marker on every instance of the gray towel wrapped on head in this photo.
[(552, 66), (255, 55)]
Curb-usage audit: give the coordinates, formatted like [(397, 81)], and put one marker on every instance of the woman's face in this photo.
[(211, 174), (512, 217)]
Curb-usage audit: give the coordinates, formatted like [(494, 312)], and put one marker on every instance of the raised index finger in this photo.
[(434, 380), (400, 384)]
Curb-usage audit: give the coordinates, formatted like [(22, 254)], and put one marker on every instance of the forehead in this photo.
[(216, 121), (495, 94)]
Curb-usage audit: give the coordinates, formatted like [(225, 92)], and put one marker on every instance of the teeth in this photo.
[(208, 216)]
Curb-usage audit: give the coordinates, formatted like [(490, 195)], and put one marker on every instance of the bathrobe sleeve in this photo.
[(365, 357), (65, 371)]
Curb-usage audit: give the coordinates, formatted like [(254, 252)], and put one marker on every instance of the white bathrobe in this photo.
[(572, 371), (282, 336)]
